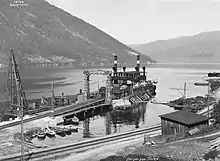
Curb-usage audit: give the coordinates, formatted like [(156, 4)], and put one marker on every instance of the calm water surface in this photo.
[(140, 117)]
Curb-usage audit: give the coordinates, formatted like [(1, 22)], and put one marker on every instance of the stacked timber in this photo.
[(193, 104)]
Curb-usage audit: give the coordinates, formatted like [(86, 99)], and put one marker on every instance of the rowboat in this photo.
[(75, 120), (49, 132), (72, 128), (41, 134)]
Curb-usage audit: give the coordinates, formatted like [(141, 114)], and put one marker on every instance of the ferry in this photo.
[(131, 88)]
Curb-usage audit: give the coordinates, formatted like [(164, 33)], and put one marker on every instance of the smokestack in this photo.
[(124, 68), (138, 63), (115, 68), (144, 70), (115, 64)]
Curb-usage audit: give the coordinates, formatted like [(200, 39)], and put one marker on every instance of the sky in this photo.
[(143, 21)]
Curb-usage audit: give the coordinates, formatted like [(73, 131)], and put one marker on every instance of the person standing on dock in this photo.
[(62, 98), (43, 101), (34, 105)]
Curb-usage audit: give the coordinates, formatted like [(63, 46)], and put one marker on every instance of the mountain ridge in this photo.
[(202, 47), (43, 33)]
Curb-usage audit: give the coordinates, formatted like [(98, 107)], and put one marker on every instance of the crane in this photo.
[(86, 83)]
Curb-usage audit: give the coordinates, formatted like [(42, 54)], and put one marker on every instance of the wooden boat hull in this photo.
[(41, 137), (50, 133), (75, 123), (60, 133), (68, 132)]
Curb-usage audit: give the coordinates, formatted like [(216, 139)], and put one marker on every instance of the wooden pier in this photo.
[(86, 109), (66, 110)]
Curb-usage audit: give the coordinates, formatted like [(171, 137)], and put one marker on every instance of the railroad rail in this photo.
[(44, 153), (59, 111)]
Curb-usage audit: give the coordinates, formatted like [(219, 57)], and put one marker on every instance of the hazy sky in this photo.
[(142, 21)]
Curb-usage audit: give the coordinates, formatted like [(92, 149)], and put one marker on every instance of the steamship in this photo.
[(131, 88)]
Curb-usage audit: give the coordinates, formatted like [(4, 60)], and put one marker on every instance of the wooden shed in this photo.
[(181, 121)]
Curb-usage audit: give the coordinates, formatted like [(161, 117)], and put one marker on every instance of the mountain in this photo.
[(42, 33), (201, 48)]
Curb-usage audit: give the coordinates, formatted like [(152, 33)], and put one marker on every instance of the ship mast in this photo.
[(16, 95)]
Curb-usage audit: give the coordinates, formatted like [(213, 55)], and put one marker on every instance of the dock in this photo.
[(65, 110)]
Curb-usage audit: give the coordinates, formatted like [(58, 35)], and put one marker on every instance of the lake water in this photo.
[(147, 115)]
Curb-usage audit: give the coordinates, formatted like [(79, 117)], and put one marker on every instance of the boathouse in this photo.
[(181, 121)]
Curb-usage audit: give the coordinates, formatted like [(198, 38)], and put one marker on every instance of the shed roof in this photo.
[(184, 117)]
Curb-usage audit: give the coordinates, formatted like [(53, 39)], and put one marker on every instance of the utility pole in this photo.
[(21, 113), (52, 97), (208, 85), (20, 108), (22, 133), (208, 100), (184, 90), (98, 85)]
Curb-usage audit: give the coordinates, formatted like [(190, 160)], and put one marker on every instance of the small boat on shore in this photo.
[(60, 132), (41, 134), (49, 132), (72, 128), (75, 120), (66, 120)]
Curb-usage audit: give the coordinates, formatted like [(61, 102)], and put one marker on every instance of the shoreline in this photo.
[(192, 104)]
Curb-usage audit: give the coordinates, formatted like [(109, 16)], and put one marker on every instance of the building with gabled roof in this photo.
[(179, 122)]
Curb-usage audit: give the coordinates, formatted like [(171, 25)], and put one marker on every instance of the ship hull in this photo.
[(143, 94)]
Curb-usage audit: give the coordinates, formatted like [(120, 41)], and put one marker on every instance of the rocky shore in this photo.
[(193, 104), (11, 143)]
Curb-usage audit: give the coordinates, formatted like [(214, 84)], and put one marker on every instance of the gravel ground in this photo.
[(8, 145), (189, 150)]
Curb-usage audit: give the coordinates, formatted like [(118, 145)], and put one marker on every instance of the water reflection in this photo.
[(128, 117), (86, 132), (108, 123)]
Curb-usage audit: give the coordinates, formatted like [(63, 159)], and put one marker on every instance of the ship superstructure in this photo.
[(131, 87)]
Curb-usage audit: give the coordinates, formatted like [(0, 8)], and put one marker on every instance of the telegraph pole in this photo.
[(208, 85), (208, 100), (22, 133), (21, 113), (52, 98)]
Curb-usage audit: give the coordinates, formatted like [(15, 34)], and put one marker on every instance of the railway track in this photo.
[(69, 148)]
